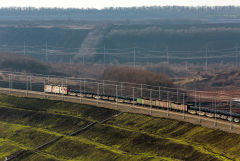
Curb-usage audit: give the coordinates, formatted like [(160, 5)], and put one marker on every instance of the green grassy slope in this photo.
[(27, 123)]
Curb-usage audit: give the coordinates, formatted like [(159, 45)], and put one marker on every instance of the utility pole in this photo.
[(46, 51), (104, 55), (134, 57), (9, 83), (26, 85), (200, 120), (236, 57), (62, 87), (177, 96), (150, 101), (116, 96), (206, 63), (80, 90), (24, 50), (12, 77), (183, 105), (97, 93), (84, 87), (215, 111), (121, 89), (133, 97), (103, 88), (167, 55), (30, 77), (231, 118), (168, 103), (44, 83), (83, 61), (159, 93), (187, 72), (195, 95)]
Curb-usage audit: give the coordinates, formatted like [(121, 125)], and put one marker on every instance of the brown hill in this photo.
[(217, 81), (20, 63), (135, 75)]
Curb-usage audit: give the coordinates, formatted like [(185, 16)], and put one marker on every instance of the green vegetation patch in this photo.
[(39, 156), (141, 143), (6, 148), (219, 144), (25, 137), (54, 122), (66, 108), (78, 149)]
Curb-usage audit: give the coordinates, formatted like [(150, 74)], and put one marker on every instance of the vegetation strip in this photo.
[(115, 150), (44, 112), (196, 146), (14, 156)]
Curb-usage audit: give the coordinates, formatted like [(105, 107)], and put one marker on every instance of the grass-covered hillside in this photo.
[(26, 123)]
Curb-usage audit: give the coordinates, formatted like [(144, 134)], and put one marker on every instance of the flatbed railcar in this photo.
[(159, 104)]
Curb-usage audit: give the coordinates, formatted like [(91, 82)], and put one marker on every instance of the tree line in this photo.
[(154, 12)]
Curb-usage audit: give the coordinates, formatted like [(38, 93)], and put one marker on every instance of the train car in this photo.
[(80, 95), (178, 106), (201, 113), (209, 114), (63, 90), (218, 115), (236, 120), (147, 102), (104, 97), (193, 112), (158, 103), (120, 100), (127, 101), (72, 94), (154, 103), (89, 95), (224, 117), (172, 105), (111, 98), (56, 89), (134, 101), (163, 104), (183, 107), (97, 96), (140, 101), (48, 88), (230, 118)]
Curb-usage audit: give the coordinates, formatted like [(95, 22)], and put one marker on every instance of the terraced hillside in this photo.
[(27, 123)]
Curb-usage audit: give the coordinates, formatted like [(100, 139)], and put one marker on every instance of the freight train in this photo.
[(159, 104)]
